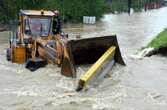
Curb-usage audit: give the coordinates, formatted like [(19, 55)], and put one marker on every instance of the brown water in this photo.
[(141, 85)]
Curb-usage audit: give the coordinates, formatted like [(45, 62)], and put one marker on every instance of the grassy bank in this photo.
[(157, 46), (160, 41)]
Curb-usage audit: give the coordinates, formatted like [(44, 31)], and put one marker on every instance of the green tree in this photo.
[(9, 9), (70, 9), (75, 9)]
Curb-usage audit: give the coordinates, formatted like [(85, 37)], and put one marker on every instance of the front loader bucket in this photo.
[(89, 50)]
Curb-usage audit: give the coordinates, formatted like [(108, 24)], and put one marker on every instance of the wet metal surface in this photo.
[(141, 85)]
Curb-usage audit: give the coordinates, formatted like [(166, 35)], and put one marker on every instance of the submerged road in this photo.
[(141, 85)]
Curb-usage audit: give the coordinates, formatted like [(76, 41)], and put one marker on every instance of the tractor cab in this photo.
[(35, 24)]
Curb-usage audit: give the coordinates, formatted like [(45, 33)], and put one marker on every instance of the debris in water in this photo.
[(156, 98), (146, 52)]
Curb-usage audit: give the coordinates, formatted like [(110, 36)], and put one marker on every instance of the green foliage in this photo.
[(75, 9), (70, 9), (119, 5), (122, 5), (160, 40), (9, 9)]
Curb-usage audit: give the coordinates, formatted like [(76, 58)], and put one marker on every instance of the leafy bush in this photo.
[(70, 9)]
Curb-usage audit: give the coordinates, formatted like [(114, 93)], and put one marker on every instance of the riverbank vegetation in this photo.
[(157, 46), (160, 40)]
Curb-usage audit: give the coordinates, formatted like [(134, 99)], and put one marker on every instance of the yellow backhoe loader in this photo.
[(35, 44)]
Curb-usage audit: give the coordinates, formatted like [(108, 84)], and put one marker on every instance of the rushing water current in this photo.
[(141, 85)]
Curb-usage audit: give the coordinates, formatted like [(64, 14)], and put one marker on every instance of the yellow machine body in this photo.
[(18, 54), (93, 70)]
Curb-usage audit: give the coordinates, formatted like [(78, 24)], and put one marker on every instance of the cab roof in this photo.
[(36, 13)]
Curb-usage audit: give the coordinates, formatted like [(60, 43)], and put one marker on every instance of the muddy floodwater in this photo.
[(141, 85)]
